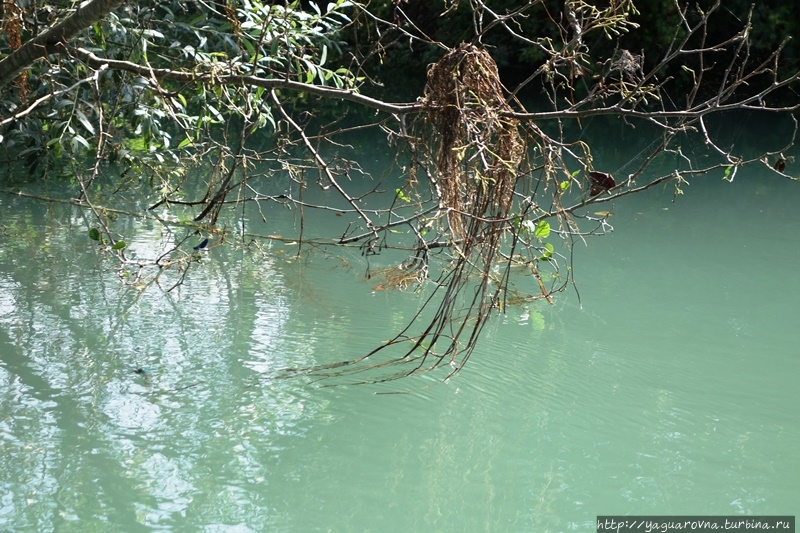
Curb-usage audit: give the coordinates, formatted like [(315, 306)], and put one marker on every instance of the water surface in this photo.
[(666, 384)]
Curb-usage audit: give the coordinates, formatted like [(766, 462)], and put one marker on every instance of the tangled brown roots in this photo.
[(479, 149)]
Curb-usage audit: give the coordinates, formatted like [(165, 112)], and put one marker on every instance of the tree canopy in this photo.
[(483, 122)]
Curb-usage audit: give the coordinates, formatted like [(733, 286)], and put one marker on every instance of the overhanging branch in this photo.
[(95, 61), (49, 41)]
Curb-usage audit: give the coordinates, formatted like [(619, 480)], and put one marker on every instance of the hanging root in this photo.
[(479, 150), (476, 150)]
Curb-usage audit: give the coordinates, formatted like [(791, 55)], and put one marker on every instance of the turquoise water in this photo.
[(667, 384)]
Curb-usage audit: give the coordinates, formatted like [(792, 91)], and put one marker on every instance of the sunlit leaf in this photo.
[(726, 175), (542, 230), (78, 139), (84, 121), (547, 255)]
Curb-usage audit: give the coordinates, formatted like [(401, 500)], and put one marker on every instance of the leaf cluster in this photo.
[(72, 112)]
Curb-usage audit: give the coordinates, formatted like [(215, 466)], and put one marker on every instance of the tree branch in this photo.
[(237, 79), (51, 40)]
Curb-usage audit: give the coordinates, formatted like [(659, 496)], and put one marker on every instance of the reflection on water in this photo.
[(669, 390)]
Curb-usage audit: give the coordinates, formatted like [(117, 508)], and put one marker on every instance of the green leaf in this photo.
[(324, 55), (251, 50), (85, 121), (547, 255), (564, 185), (727, 174), (119, 245), (98, 31), (402, 196), (542, 230), (78, 140), (94, 234)]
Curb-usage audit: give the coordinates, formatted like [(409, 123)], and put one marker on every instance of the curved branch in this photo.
[(51, 40), (95, 61)]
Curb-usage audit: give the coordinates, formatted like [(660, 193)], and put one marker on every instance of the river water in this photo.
[(669, 387)]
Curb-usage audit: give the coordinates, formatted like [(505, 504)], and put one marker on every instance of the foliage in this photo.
[(142, 123)]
